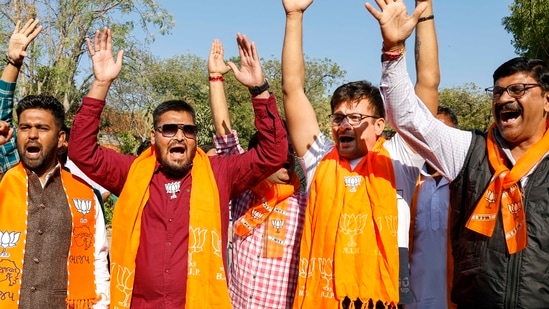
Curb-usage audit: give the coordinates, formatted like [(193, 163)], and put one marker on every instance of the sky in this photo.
[(472, 40)]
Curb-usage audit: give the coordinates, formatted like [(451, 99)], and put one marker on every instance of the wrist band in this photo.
[(9, 61), (392, 55), (425, 18), (217, 78)]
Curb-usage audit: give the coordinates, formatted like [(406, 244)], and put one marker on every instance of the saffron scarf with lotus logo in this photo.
[(81, 292), (349, 245), (206, 288), (504, 194)]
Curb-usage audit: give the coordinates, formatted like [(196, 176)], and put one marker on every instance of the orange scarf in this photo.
[(504, 193), (206, 274), (271, 206), (13, 220), (349, 246)]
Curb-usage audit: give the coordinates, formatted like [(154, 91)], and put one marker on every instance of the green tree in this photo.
[(471, 104), (59, 62), (185, 77), (529, 25)]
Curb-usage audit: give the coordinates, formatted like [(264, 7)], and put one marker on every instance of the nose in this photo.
[(504, 97), (179, 135), (33, 133), (344, 123)]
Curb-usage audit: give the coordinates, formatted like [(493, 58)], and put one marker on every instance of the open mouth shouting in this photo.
[(508, 113), (177, 152), (33, 151)]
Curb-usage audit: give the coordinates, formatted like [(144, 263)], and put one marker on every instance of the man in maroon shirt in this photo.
[(163, 257)]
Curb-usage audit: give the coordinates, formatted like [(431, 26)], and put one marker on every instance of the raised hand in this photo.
[(21, 38), (105, 68), (250, 73), (396, 26), (6, 132), (299, 6), (216, 64)]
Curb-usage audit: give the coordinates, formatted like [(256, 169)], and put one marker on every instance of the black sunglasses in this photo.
[(170, 130)]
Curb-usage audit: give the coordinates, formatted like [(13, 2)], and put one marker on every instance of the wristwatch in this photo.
[(256, 90)]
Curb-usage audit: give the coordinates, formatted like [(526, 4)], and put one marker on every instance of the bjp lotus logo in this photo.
[(352, 225), (326, 267), (197, 239), (306, 267), (8, 240), (353, 182), (83, 206)]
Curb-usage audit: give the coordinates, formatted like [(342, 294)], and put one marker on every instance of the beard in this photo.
[(176, 169), (40, 165)]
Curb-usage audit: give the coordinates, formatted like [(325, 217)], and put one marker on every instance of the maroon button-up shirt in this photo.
[(162, 257)]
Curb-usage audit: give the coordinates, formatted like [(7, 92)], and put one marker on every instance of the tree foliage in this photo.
[(470, 103), (185, 77), (529, 25), (58, 62)]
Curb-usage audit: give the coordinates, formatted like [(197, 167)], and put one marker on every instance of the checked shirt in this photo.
[(257, 282), (8, 152)]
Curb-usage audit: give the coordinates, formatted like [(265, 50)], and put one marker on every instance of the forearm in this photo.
[(422, 131), (94, 160), (227, 144), (218, 104), (427, 63), (269, 154), (99, 90), (300, 116), (10, 73)]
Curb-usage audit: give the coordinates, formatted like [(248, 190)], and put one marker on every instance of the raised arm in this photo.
[(94, 160), (427, 66), (412, 119), (17, 48), (17, 51), (105, 67), (300, 115), (247, 169), (218, 102)]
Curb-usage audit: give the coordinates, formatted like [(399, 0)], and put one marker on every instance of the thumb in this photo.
[(232, 66)]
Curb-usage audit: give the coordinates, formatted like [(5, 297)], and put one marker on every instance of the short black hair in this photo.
[(535, 68), (448, 112), (45, 102), (172, 105), (355, 91)]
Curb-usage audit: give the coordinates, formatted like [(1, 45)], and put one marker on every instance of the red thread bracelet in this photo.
[(393, 55), (217, 78)]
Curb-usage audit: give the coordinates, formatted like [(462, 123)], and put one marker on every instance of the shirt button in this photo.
[(42, 206), (36, 260), (167, 271), (170, 220), (33, 289), (40, 232), (168, 244)]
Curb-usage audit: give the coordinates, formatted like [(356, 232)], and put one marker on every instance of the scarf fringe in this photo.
[(81, 303), (366, 304)]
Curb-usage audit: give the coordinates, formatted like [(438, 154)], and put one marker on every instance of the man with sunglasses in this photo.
[(171, 219), (499, 179)]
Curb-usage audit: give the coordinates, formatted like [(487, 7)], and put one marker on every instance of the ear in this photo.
[(153, 137), (379, 126), (61, 140), (546, 101)]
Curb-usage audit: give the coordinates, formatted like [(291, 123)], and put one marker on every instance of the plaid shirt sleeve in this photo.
[(226, 145), (8, 152)]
